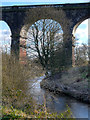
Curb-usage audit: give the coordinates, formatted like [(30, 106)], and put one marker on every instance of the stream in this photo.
[(57, 103)]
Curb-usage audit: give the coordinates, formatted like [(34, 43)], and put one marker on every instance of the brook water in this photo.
[(58, 103)]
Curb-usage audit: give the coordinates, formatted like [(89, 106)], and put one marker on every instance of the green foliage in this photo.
[(18, 114), (12, 113), (66, 114), (84, 75), (57, 63), (84, 71)]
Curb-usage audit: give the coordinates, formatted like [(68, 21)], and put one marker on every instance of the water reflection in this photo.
[(57, 103)]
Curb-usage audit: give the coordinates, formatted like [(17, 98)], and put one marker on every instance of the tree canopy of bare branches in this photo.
[(43, 39), (45, 36)]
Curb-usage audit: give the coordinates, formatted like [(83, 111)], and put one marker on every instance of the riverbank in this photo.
[(13, 114), (73, 82)]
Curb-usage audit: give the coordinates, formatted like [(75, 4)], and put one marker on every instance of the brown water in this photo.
[(58, 103)]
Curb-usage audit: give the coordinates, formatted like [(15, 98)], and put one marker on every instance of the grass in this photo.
[(15, 82), (16, 103), (11, 113), (74, 74)]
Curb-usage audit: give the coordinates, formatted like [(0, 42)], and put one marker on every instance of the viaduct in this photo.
[(15, 17)]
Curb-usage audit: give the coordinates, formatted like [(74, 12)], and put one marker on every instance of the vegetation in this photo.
[(15, 82), (11, 113), (47, 43), (81, 55), (16, 103), (46, 47), (45, 38)]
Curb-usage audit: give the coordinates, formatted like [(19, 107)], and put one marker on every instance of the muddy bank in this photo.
[(73, 82)]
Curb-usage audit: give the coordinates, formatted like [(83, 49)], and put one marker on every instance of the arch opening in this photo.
[(44, 37), (80, 50), (44, 28), (5, 37)]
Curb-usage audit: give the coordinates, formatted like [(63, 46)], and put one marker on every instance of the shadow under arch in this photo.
[(5, 36)]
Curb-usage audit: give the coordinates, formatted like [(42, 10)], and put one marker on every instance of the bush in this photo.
[(15, 82)]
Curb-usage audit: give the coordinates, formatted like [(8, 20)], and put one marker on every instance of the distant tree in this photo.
[(81, 55)]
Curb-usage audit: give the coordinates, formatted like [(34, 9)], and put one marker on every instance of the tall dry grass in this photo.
[(15, 82), (16, 102)]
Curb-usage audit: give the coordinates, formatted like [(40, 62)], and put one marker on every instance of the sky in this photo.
[(81, 32), (31, 2)]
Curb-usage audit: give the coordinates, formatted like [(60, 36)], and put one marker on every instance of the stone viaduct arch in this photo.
[(15, 16)]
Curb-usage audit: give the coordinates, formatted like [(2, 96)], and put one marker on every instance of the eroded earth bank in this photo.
[(73, 82)]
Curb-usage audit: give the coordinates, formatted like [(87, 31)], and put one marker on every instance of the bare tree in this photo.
[(45, 35), (81, 55), (43, 39)]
